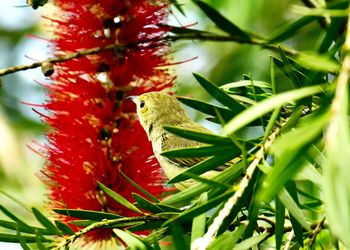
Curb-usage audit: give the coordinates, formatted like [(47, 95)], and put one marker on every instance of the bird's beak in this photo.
[(133, 98)]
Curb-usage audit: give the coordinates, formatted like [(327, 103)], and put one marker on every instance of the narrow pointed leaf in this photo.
[(65, 229), (46, 222), (220, 95), (251, 242), (199, 136), (199, 221), (22, 242), (222, 22), (21, 224), (146, 205), (288, 30), (144, 191), (268, 105), (14, 238), (226, 176), (14, 226), (279, 226), (87, 214), (178, 237), (206, 165), (293, 208), (131, 240), (208, 108), (204, 151), (289, 70), (118, 198)]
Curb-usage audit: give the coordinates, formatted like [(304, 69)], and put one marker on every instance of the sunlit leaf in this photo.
[(222, 22)]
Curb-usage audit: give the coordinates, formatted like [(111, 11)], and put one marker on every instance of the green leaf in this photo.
[(87, 214), (14, 238), (198, 223), (318, 62), (131, 240), (220, 95), (208, 108), (178, 238), (65, 229), (293, 208), (149, 225), (204, 151), (144, 191), (190, 213), (225, 176), (146, 205), (251, 242), (290, 154), (199, 136), (288, 30), (279, 226), (244, 83), (335, 167), (118, 198), (222, 22), (289, 70), (14, 226), (227, 240), (22, 241), (268, 105), (203, 166), (178, 6), (46, 222), (21, 224)]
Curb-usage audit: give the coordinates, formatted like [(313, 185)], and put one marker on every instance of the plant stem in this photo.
[(191, 36)]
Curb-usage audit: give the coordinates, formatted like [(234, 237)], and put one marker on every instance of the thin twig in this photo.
[(316, 231), (195, 36), (102, 224)]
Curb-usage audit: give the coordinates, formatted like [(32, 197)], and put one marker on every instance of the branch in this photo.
[(102, 224), (192, 36)]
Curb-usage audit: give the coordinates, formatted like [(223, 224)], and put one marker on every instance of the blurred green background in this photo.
[(22, 41)]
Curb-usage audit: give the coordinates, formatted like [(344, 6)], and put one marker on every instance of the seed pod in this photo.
[(47, 68)]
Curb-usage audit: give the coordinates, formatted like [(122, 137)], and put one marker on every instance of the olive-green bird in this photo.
[(158, 109)]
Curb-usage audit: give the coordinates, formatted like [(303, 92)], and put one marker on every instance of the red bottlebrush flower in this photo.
[(94, 134)]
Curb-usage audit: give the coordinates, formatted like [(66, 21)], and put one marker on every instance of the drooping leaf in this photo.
[(146, 205), (46, 222), (222, 22), (220, 95), (118, 198)]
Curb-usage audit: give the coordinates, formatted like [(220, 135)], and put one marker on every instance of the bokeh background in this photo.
[(23, 40)]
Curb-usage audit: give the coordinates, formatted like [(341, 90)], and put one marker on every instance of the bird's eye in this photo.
[(142, 104)]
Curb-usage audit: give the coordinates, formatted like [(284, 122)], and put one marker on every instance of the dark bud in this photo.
[(47, 68)]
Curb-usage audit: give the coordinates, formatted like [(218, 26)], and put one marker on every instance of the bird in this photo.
[(158, 109)]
